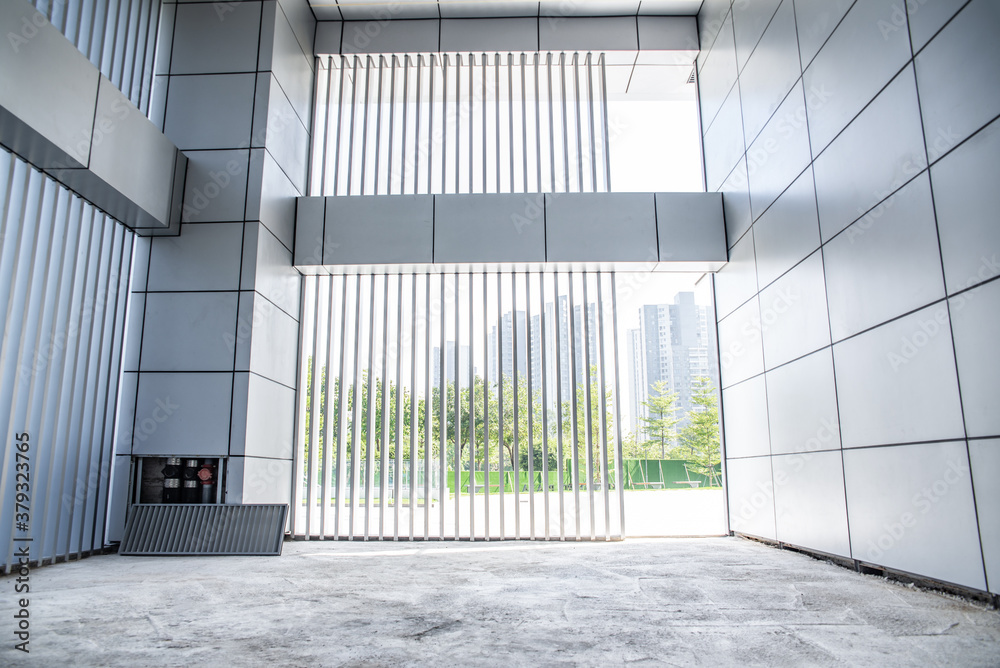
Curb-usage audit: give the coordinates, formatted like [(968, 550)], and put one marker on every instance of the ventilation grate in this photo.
[(690, 79), (187, 530)]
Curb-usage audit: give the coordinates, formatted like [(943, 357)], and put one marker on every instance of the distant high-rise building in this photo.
[(673, 343), (552, 361), (636, 377), (507, 330), (449, 364)]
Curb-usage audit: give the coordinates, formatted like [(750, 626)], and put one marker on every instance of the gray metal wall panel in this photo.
[(488, 228), (379, 230), (60, 114), (511, 229), (59, 111), (686, 227), (601, 227)]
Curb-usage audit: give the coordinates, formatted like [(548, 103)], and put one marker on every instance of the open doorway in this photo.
[(508, 405)]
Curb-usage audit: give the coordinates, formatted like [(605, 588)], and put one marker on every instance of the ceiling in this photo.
[(363, 10)]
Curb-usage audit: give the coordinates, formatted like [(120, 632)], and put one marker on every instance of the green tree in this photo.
[(660, 420), (700, 438), (633, 448), (581, 426)]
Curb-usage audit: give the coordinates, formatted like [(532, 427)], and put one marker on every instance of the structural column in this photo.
[(213, 328)]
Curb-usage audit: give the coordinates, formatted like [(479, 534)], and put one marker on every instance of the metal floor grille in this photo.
[(189, 530)]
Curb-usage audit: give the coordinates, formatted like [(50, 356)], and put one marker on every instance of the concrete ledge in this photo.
[(59, 114), (635, 231)]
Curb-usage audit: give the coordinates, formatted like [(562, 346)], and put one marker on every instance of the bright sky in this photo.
[(657, 148)]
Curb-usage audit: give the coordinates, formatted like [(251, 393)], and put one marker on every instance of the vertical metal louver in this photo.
[(199, 529), (461, 123), (64, 284), (480, 406)]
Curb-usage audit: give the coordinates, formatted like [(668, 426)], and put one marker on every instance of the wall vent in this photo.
[(162, 529)]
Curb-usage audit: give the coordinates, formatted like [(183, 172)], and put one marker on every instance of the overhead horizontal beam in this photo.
[(63, 117), (379, 10), (433, 233), (654, 40)]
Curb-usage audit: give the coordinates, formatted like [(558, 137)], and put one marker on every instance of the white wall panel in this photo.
[(779, 153), (927, 18), (885, 264), (737, 281), (985, 458), (577, 229), (211, 111), (740, 347), (809, 504), (717, 73), (750, 19), (474, 228), (751, 496), (723, 148), (274, 338), (793, 313), (911, 508), (954, 107), (975, 318), (373, 230), (854, 64), (967, 200), (815, 20), (896, 383), (846, 186), (772, 70), (736, 202), (270, 428), (788, 231), (802, 405), (745, 419)]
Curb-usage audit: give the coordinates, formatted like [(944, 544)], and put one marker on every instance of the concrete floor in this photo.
[(709, 601)]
